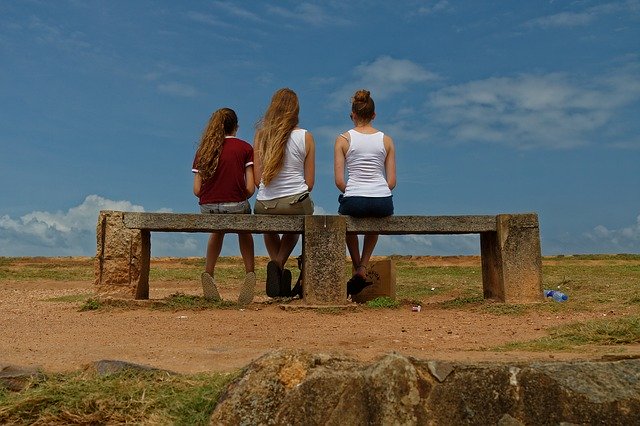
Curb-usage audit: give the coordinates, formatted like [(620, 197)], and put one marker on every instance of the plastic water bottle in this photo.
[(558, 296)]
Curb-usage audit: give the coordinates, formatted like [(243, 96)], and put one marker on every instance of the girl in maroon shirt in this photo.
[(223, 182)]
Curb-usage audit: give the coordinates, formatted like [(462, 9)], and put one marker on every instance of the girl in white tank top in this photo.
[(365, 160), (284, 165), (369, 157), (290, 179)]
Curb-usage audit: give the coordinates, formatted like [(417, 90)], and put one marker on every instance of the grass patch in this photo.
[(621, 331), (185, 302), (383, 302), (90, 305), (423, 282), (505, 309), (175, 302), (461, 302), (131, 397), (41, 268), (71, 298)]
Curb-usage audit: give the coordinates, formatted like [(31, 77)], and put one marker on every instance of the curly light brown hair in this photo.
[(223, 122), (274, 129)]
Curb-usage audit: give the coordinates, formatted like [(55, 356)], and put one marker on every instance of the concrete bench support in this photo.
[(511, 260), (323, 249), (122, 258)]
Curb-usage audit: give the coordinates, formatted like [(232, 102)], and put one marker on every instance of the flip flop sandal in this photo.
[(274, 275), (285, 283)]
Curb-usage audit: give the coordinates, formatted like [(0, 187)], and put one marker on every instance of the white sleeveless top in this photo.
[(365, 164), (290, 180)]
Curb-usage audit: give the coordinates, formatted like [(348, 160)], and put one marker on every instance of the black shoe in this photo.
[(274, 276), (356, 284), (297, 290), (285, 283)]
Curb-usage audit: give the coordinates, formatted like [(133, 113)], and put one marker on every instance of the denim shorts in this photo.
[(242, 207), (365, 206)]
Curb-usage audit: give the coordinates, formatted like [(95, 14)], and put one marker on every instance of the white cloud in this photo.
[(423, 245), (178, 89), (563, 19), (57, 234), (551, 110), (319, 210), (432, 8), (623, 240), (237, 11), (170, 244), (205, 18), (57, 35), (383, 77), (583, 17), (308, 13)]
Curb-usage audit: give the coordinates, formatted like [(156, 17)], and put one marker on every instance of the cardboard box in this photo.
[(383, 275)]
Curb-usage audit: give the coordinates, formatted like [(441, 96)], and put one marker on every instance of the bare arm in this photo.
[(257, 162), (340, 148), (197, 184), (390, 162), (249, 180), (309, 160)]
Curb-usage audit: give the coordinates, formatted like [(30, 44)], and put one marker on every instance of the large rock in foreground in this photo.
[(298, 388)]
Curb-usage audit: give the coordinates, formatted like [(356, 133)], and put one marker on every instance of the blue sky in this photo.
[(494, 106)]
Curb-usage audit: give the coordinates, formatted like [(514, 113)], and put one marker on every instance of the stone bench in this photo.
[(509, 247)]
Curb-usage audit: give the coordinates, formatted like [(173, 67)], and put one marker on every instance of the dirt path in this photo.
[(54, 335)]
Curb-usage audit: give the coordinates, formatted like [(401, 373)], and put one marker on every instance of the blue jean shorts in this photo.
[(242, 207), (365, 206)]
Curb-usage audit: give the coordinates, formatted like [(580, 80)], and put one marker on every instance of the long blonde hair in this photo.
[(274, 129), (223, 122)]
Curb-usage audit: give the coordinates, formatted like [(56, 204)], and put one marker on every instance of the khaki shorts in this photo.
[(292, 204)]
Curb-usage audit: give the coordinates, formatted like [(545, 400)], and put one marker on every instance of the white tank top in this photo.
[(365, 164), (290, 180)]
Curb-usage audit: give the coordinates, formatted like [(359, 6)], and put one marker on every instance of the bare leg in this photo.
[(272, 243), (214, 246), (245, 241), (354, 250), (370, 241), (287, 244), (247, 291)]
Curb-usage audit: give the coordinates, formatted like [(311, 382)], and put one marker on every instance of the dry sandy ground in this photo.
[(35, 331)]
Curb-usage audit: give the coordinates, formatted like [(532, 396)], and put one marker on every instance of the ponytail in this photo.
[(223, 122)]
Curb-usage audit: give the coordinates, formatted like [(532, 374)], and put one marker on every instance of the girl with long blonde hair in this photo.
[(284, 173), (223, 181)]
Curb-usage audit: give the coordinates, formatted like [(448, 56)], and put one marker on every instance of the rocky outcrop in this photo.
[(298, 388)]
